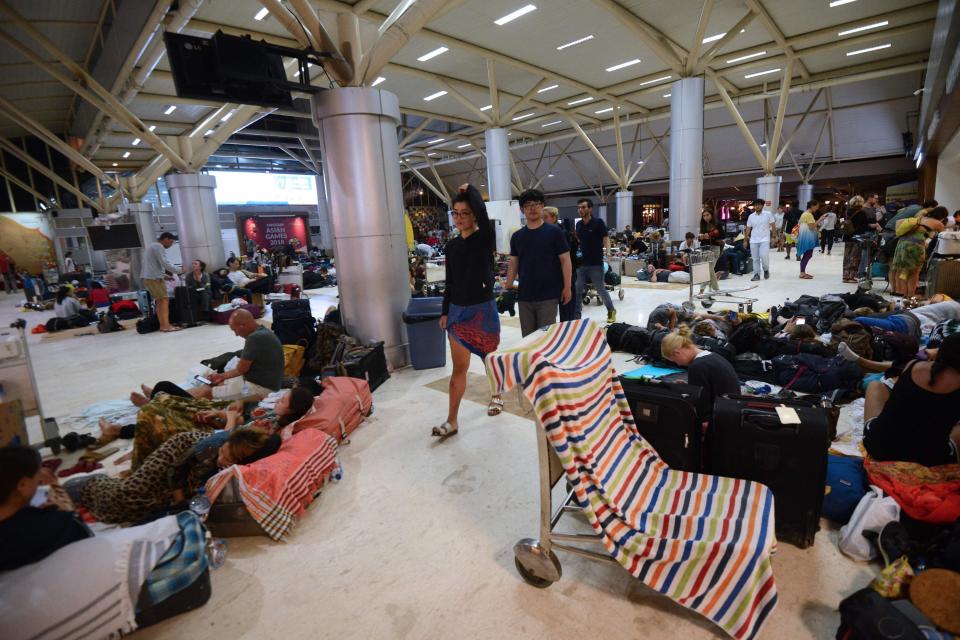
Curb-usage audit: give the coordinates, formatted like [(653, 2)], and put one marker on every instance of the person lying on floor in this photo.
[(710, 371), (915, 419), (258, 374), (29, 534), (916, 322), (170, 475), (668, 315), (167, 415)]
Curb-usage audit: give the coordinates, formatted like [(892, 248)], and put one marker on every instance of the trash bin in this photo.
[(428, 342)]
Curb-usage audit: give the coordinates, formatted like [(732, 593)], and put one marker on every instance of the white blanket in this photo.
[(87, 589)]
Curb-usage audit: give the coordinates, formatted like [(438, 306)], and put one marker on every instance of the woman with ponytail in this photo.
[(710, 371), (912, 420)]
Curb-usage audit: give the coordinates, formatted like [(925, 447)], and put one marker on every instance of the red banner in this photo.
[(275, 232)]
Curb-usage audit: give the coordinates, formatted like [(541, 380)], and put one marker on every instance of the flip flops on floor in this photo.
[(84, 466)]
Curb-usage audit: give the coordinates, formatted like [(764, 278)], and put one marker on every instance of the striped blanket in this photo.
[(278, 488), (704, 541)]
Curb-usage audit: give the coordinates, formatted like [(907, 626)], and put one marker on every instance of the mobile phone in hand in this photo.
[(203, 380)]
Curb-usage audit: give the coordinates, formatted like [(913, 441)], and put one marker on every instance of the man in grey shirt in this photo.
[(154, 270), (260, 370)]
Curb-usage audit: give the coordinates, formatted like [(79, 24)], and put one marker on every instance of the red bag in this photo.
[(338, 410), (124, 305)]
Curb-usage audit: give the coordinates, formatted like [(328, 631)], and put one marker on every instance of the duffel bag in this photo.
[(746, 336), (813, 374), (773, 347), (148, 324), (628, 338), (854, 335)]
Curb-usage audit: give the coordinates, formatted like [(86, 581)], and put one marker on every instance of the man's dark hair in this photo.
[(759, 202), (233, 259), (956, 213), (689, 235), (586, 201), (531, 195), (16, 462), (812, 203), (167, 235), (929, 204), (938, 213)]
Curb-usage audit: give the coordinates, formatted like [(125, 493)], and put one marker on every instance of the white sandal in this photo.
[(444, 431), (495, 407)]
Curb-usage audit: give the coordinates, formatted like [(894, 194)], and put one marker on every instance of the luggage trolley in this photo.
[(614, 265)]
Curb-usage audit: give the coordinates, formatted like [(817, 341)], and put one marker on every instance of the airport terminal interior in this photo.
[(458, 319)]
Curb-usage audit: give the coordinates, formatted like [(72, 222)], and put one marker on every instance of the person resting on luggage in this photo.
[(169, 476), (668, 315), (915, 418), (167, 415), (29, 534), (253, 282), (917, 322), (710, 371)]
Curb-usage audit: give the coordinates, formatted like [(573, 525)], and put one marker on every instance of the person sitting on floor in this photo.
[(737, 254), (252, 282), (198, 284), (66, 306), (98, 296), (710, 371), (29, 534), (667, 315), (915, 419), (169, 476)]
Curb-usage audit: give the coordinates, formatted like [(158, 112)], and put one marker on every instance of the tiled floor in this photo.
[(416, 541)]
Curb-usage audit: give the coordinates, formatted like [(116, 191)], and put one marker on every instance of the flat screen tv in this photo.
[(115, 236)]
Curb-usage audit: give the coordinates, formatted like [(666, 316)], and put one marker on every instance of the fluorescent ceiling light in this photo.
[(513, 15), (377, 81), (580, 101), (763, 144), (714, 38), (549, 175), (761, 73), (208, 133), (226, 117), (837, 3), (170, 109), (126, 154), (655, 80), (261, 14), (747, 57), (550, 88), (433, 54), (523, 116), (437, 141), (667, 95), (431, 154), (623, 65), (486, 108), (434, 96), (114, 164), (550, 124), (607, 110), (869, 49), (639, 161), (135, 142), (463, 146), (574, 43), (152, 127), (865, 27)]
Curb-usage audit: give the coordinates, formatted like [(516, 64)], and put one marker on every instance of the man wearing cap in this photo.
[(155, 268)]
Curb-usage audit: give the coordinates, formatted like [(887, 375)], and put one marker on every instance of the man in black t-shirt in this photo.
[(594, 244), (540, 255)]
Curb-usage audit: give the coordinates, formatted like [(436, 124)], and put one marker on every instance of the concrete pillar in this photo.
[(768, 190), (142, 214), (624, 209), (361, 171), (323, 214), (804, 195), (686, 156), (197, 216), (498, 164)]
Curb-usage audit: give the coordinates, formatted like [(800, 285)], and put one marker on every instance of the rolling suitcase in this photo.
[(181, 311), (943, 276), (367, 363), (293, 321), (748, 441), (667, 417)]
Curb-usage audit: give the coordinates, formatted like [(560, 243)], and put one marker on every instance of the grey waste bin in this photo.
[(428, 342)]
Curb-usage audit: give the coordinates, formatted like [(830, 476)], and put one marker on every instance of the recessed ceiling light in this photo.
[(208, 133), (761, 73), (607, 110), (513, 15), (434, 96), (550, 88), (126, 154), (639, 161), (580, 101), (574, 43), (550, 124), (433, 54), (655, 80), (463, 146), (623, 65), (170, 109), (869, 49), (714, 38), (865, 27), (523, 116), (667, 95), (114, 164), (549, 175), (135, 142), (261, 14), (438, 140), (377, 81), (747, 57), (486, 108), (152, 127), (837, 3)]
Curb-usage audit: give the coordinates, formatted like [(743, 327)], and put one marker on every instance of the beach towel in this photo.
[(704, 541), (928, 494)]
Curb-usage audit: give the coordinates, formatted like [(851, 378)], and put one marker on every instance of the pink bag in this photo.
[(338, 410)]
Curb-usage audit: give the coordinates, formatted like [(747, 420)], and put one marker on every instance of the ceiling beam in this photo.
[(694, 54), (777, 35), (728, 37), (32, 162), (659, 44), (778, 123)]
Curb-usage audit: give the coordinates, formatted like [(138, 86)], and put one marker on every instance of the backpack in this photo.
[(832, 308), (328, 337), (855, 335), (747, 336), (628, 338), (148, 324), (808, 373), (57, 324), (717, 345), (109, 323), (893, 346), (652, 353), (772, 347), (611, 278)]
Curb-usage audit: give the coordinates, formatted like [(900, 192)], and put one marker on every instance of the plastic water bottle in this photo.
[(246, 388), (337, 474), (216, 551), (200, 504)]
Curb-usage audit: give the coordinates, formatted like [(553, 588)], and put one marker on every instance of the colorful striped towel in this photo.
[(704, 541), (278, 488)]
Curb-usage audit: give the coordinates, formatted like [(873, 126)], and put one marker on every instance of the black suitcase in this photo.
[(181, 311), (367, 363), (792, 400), (667, 416), (293, 321), (748, 441), (187, 599)]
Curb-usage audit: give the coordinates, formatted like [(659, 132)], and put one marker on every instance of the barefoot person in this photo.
[(469, 314)]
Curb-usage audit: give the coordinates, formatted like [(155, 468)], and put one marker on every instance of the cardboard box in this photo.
[(13, 428)]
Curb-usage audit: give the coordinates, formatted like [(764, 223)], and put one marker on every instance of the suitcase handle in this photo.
[(765, 420)]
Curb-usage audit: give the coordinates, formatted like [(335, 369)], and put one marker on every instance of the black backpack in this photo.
[(57, 324), (148, 324), (622, 336), (812, 374), (747, 336), (718, 346)]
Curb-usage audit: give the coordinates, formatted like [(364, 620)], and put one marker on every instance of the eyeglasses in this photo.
[(531, 205), (461, 214)]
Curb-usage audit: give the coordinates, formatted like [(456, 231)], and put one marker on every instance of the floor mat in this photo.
[(478, 390)]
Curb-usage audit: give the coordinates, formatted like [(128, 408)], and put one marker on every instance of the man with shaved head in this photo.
[(261, 363)]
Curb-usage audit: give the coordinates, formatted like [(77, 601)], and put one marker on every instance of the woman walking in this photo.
[(910, 254), (807, 237), (469, 315)]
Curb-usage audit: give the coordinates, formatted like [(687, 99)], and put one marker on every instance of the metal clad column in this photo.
[(768, 189), (197, 216), (323, 213), (142, 214), (804, 195), (686, 156), (498, 164), (361, 171), (624, 209)]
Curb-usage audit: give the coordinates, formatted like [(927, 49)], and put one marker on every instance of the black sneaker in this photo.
[(755, 277), (766, 275)]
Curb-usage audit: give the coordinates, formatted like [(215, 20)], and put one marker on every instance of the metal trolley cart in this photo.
[(590, 293), (701, 262)]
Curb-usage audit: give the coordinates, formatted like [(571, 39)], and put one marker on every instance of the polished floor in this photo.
[(416, 540)]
